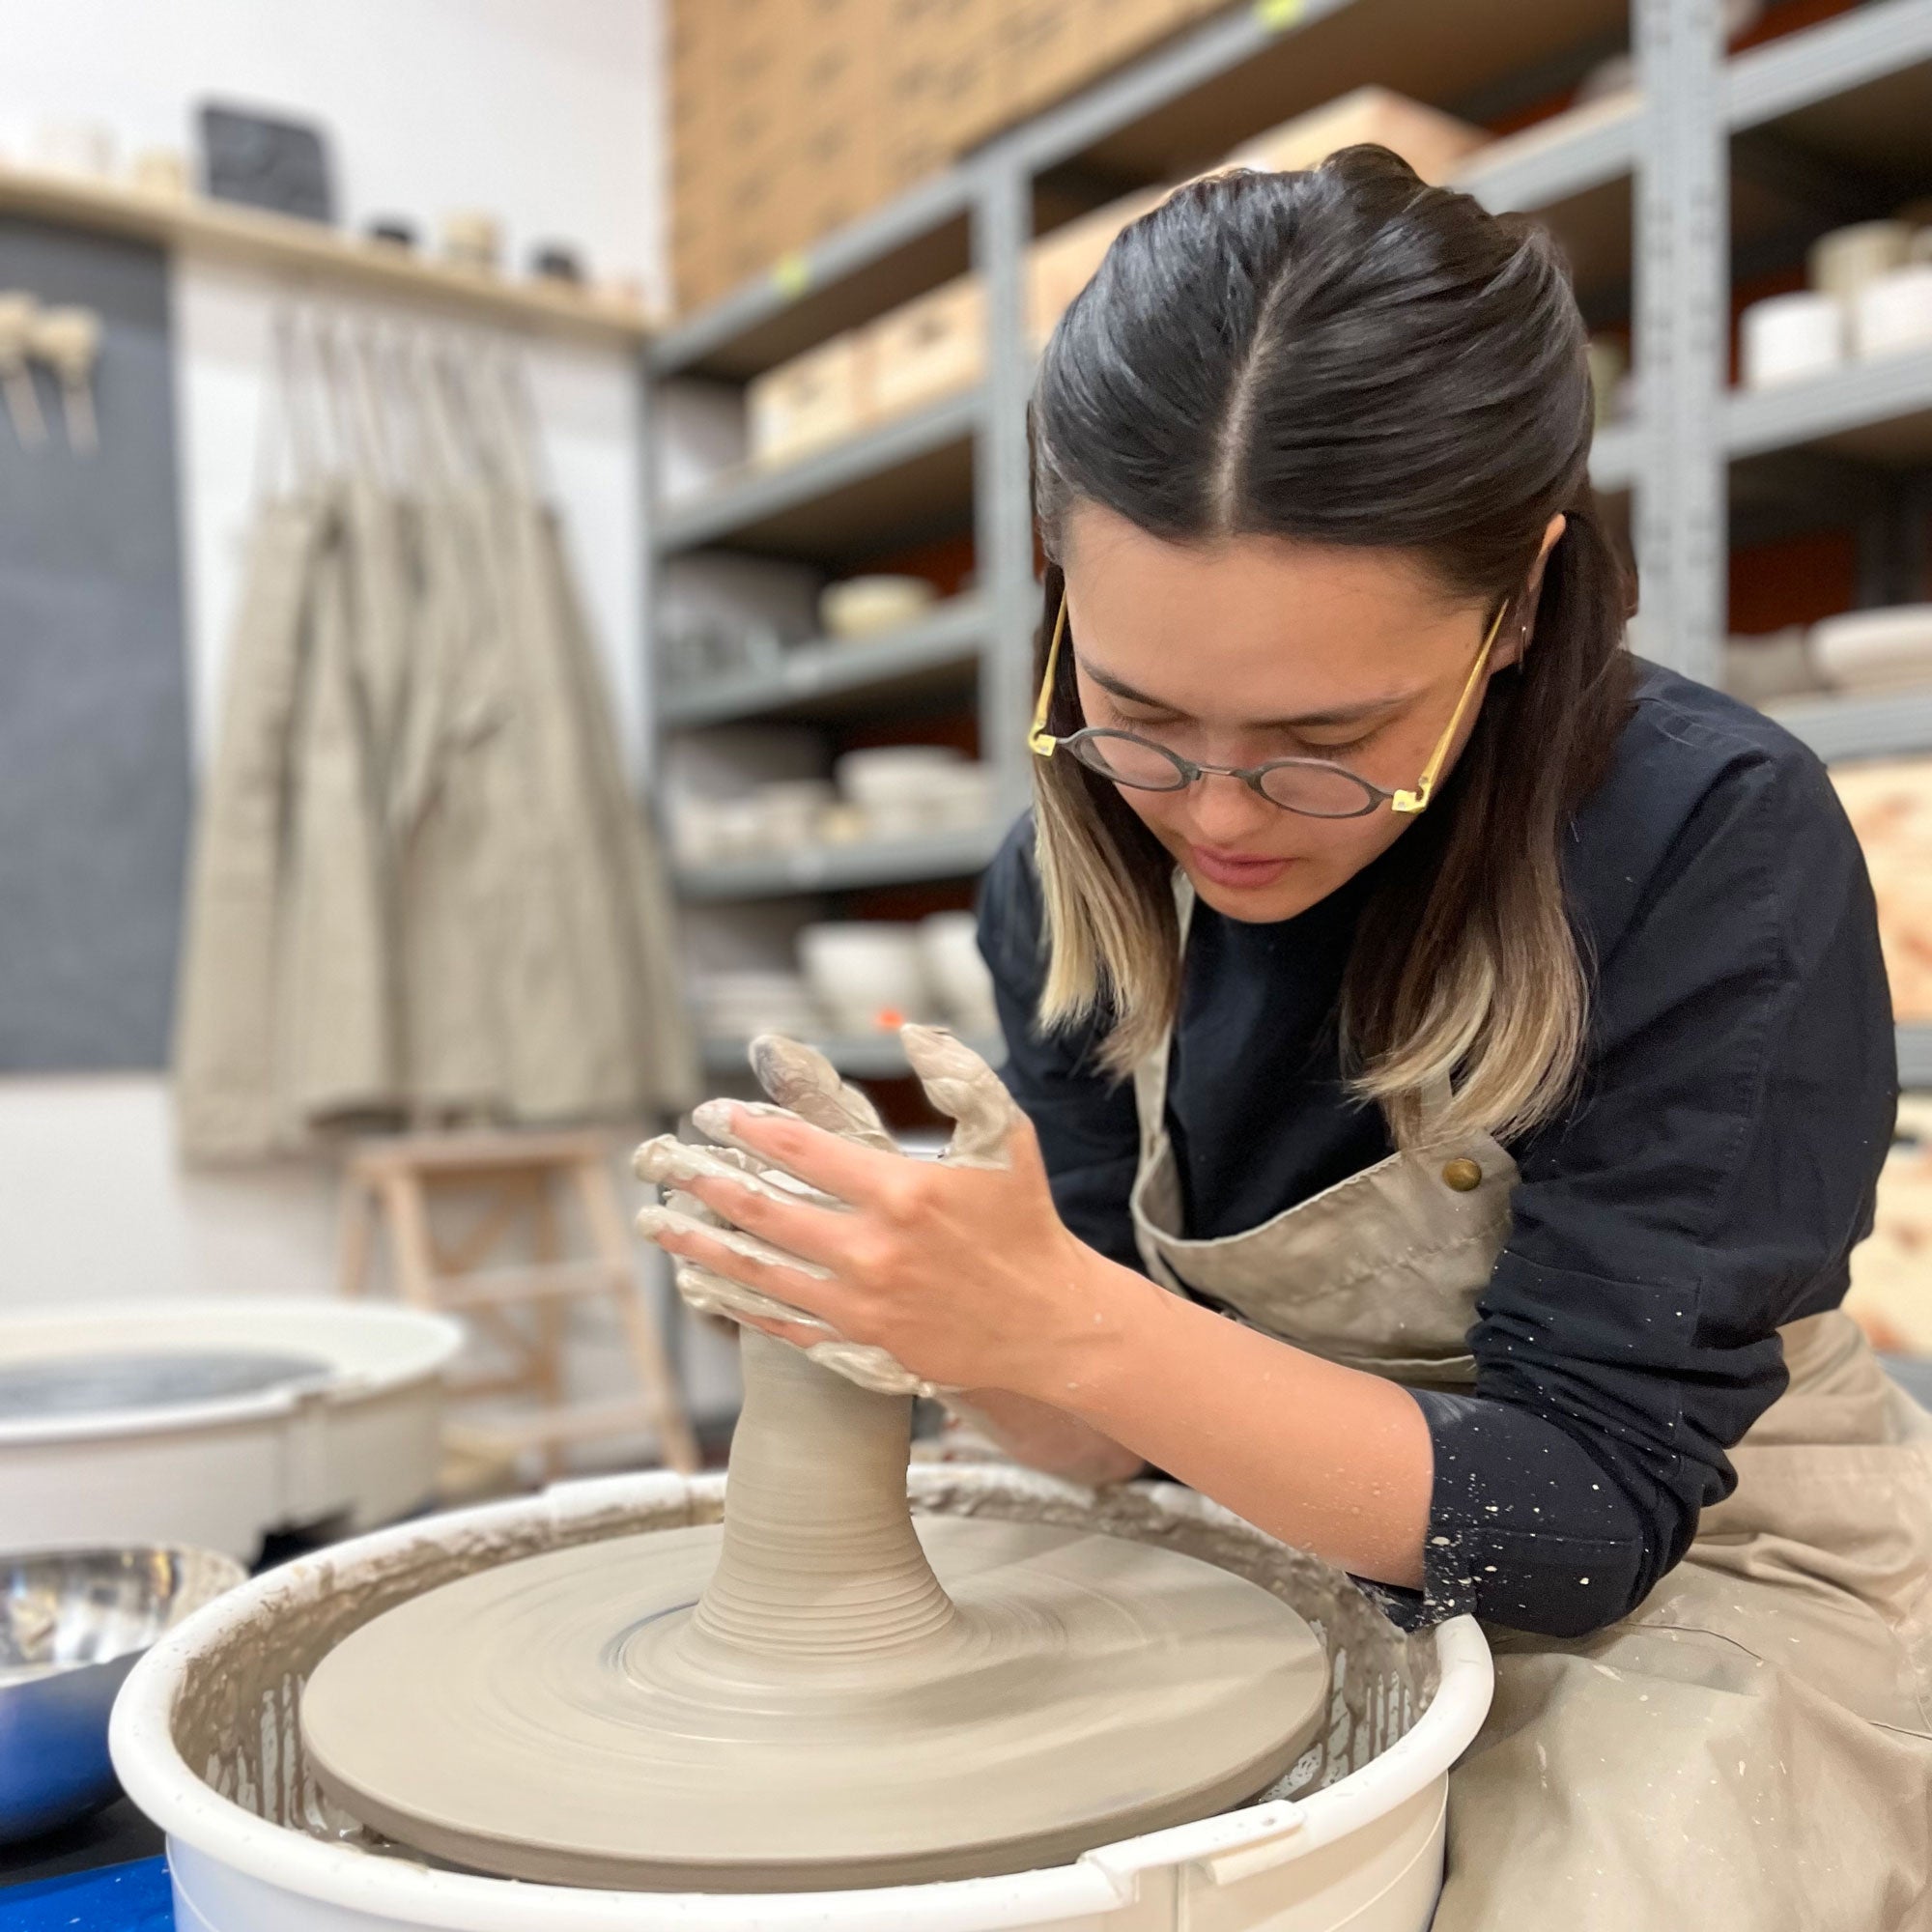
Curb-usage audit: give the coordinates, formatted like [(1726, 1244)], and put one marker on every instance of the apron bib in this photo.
[(1752, 1749)]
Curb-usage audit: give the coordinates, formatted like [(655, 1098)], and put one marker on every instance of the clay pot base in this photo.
[(849, 1702)]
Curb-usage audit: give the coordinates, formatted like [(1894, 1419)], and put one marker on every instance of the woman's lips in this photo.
[(1236, 868)]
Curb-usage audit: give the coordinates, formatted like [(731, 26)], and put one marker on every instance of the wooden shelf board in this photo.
[(283, 245)]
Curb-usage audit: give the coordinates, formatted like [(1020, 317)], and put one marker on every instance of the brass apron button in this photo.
[(1463, 1175)]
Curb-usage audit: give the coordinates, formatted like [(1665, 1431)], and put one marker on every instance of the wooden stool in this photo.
[(523, 1306)]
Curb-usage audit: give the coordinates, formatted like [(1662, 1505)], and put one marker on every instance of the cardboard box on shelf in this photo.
[(815, 399), (1429, 140), (928, 348), (1045, 51), (1060, 264), (1123, 29)]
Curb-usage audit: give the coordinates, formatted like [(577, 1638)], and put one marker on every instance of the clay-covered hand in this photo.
[(811, 1090), (960, 1272)]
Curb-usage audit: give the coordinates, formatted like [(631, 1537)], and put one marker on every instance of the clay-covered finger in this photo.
[(655, 1222), (800, 1078), (666, 1159), (714, 1294), (681, 1202), (965, 1089)]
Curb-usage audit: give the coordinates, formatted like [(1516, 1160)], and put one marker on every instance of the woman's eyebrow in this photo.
[(1340, 714)]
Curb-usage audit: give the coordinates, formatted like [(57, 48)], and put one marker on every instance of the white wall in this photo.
[(546, 112)]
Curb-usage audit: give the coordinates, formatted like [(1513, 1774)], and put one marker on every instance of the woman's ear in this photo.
[(1521, 623)]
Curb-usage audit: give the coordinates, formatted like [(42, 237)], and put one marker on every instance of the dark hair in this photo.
[(1349, 356)]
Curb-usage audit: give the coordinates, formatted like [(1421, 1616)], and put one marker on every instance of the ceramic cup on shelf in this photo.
[(1788, 338), (473, 239), (1843, 262)]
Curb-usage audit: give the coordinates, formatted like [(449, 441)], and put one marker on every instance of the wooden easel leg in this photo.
[(548, 1316)]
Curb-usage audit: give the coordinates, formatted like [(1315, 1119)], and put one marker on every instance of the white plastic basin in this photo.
[(205, 1739), (355, 1442)]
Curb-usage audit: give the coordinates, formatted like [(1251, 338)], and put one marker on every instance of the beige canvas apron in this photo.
[(1749, 1751)]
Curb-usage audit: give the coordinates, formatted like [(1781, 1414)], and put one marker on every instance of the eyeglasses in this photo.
[(1315, 787)]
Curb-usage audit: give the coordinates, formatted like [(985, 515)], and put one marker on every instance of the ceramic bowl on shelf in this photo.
[(739, 1002), (792, 810), (892, 775), (864, 606), (1760, 669), (950, 942), (866, 974), (958, 797), (1875, 650), (1892, 315), (1790, 338)]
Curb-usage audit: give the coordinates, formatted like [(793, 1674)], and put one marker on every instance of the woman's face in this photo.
[(1254, 648)]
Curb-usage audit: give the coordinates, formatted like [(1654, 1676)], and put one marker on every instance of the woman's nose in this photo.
[(1224, 810)]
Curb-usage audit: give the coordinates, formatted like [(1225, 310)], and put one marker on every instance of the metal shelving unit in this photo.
[(1657, 195)]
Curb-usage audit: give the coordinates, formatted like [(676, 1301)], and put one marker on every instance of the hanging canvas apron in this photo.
[(1752, 1749)]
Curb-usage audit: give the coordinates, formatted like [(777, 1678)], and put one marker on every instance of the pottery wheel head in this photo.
[(816, 1693), (553, 1720)]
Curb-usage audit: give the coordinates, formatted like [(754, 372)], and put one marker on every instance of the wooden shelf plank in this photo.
[(306, 250)]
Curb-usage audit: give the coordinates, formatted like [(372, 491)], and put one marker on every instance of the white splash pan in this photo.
[(1363, 1853), (356, 1443)]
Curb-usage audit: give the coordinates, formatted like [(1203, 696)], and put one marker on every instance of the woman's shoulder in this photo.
[(1700, 784)]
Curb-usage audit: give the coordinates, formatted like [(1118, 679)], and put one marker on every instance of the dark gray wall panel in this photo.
[(94, 786)]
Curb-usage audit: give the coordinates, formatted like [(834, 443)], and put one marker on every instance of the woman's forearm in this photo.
[(1331, 1460), (1044, 1438)]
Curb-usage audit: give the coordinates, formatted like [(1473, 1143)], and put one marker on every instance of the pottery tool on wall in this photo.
[(18, 313)]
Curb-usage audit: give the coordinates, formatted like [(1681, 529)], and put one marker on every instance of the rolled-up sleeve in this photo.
[(1708, 1186), (1088, 1134)]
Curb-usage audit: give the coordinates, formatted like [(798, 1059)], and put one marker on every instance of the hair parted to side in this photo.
[(1347, 355)]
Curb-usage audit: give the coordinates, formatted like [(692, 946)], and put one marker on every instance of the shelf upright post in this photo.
[(1002, 482), (1682, 273)]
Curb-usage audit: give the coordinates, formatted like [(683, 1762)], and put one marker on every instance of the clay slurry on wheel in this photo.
[(816, 1693)]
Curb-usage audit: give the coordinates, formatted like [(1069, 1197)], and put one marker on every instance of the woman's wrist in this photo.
[(1087, 1359)]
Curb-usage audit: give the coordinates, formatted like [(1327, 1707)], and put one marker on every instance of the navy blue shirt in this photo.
[(1707, 1187)]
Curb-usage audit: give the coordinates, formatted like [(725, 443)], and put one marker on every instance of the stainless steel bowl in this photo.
[(71, 1624)]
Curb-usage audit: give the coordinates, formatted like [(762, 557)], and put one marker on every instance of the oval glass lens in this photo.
[(1317, 789), (1128, 760)]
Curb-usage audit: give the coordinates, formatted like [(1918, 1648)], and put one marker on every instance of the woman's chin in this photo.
[(1258, 895)]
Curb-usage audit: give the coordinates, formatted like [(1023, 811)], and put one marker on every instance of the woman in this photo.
[(1491, 1024)]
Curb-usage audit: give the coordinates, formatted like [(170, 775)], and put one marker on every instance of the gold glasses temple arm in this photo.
[(1040, 739), (1411, 802)]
